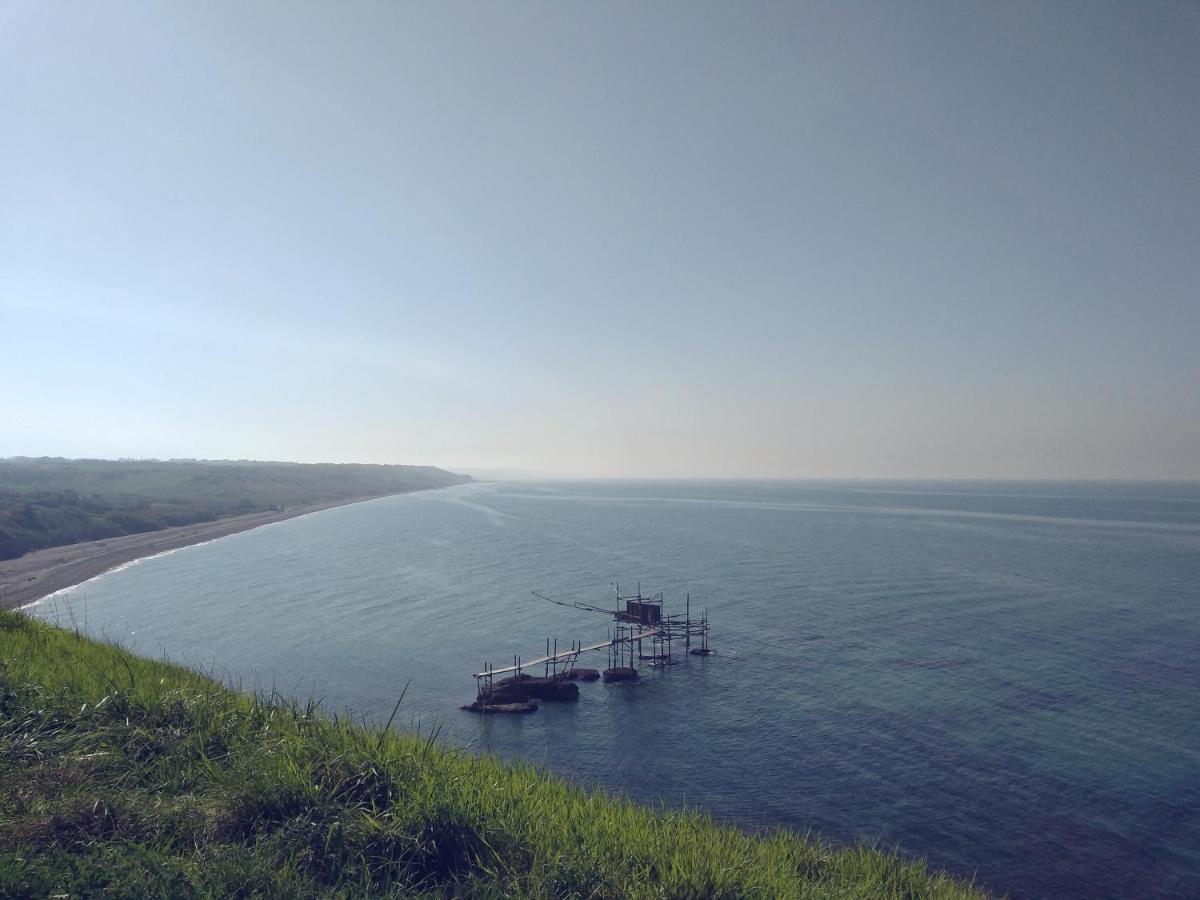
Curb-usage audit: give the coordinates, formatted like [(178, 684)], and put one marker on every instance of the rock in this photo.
[(519, 706), (512, 690)]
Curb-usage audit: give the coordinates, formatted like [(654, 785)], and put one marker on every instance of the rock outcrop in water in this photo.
[(519, 688), (520, 706)]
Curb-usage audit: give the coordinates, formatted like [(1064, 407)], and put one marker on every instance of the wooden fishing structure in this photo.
[(641, 633)]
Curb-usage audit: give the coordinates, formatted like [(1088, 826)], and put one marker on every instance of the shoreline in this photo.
[(39, 573)]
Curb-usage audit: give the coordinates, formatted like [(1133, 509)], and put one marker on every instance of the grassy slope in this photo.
[(50, 502), (128, 777)]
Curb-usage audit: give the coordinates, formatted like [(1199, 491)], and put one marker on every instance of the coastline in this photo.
[(39, 573)]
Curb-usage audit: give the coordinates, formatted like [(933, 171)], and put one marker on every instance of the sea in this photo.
[(1000, 677)]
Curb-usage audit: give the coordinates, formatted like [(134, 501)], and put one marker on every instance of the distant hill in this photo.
[(48, 501)]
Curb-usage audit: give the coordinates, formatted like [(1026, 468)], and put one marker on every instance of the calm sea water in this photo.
[(1000, 677)]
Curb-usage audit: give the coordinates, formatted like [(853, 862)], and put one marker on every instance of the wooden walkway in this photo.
[(567, 656)]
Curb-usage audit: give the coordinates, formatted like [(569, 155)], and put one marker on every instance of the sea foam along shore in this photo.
[(36, 575)]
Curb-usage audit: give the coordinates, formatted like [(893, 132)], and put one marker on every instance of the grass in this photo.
[(124, 776)]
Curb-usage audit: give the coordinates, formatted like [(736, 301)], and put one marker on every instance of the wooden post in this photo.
[(687, 624)]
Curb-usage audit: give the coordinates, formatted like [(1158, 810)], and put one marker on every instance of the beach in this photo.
[(42, 572)]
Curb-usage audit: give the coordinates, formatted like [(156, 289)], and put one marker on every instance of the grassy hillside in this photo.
[(49, 502), (128, 777)]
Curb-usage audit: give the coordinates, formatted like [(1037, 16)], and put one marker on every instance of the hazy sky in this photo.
[(838, 239)]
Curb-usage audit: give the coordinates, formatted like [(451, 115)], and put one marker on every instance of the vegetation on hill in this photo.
[(127, 777), (48, 502)]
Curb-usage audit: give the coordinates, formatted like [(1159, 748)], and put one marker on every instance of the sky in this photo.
[(669, 239)]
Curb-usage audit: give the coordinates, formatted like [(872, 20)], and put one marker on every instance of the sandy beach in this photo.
[(41, 572)]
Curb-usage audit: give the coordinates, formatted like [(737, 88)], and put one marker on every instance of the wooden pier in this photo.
[(639, 624), (566, 658)]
